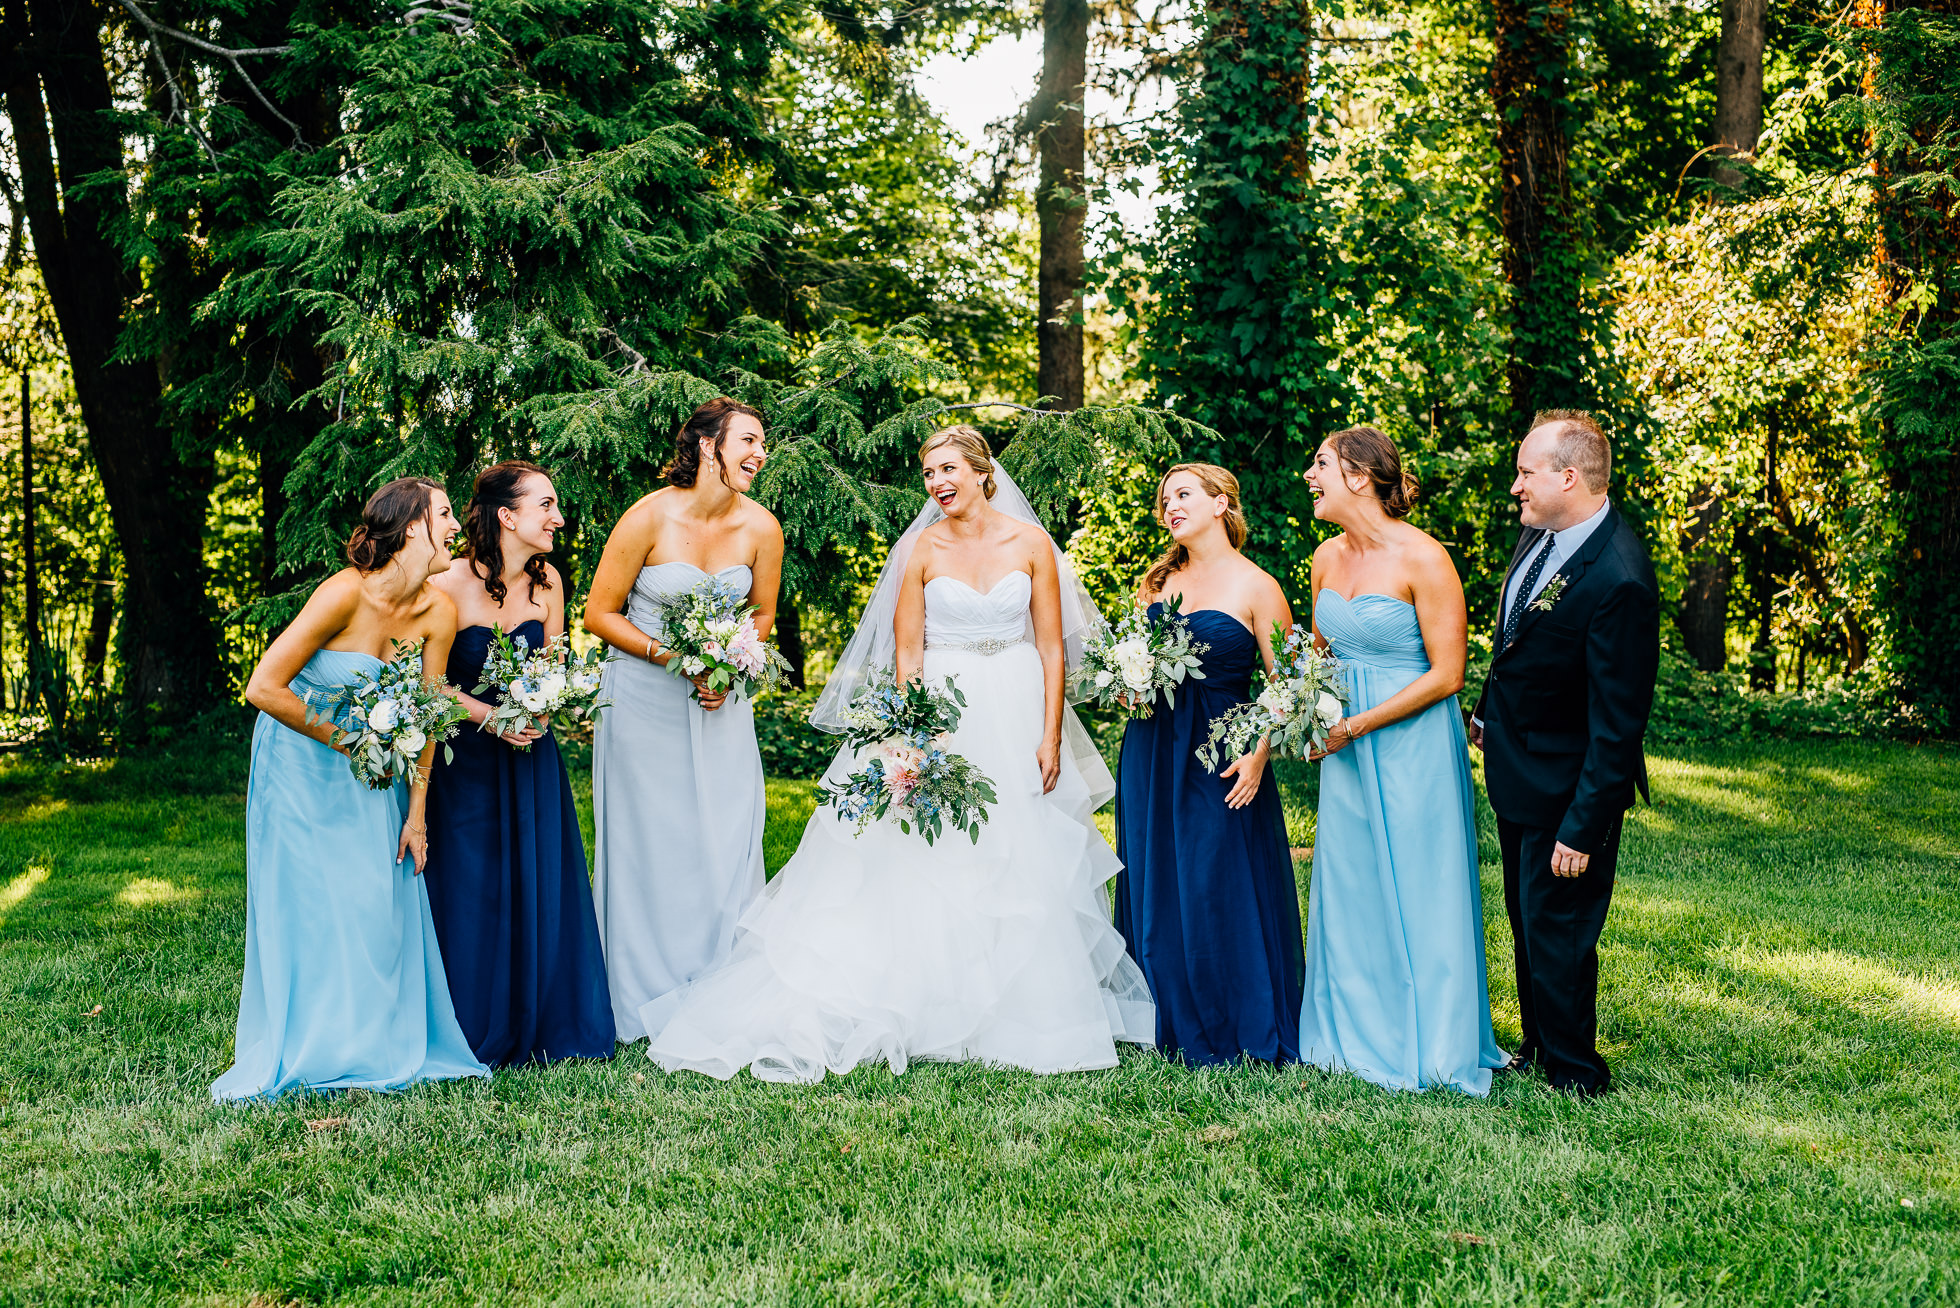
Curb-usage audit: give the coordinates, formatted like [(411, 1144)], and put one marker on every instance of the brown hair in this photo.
[(386, 518), (1370, 452), (499, 486), (1213, 480), (1580, 444), (973, 448), (709, 422)]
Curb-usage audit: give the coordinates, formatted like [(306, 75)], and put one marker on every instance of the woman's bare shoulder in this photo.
[(1424, 552), (756, 517)]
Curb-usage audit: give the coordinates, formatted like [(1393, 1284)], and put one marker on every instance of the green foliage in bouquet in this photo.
[(909, 776), (1301, 700), (387, 718), (1127, 666), (539, 684)]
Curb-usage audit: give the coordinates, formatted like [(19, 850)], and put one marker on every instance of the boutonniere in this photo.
[(1549, 596)]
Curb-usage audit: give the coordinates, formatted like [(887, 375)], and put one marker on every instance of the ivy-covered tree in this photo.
[(1910, 57), (1235, 309)]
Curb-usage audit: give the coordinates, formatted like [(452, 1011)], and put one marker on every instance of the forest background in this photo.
[(260, 258)]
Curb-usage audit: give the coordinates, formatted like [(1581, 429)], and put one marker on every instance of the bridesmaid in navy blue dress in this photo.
[(1206, 897), (507, 879)]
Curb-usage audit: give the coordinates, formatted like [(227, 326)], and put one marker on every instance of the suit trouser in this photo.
[(1555, 927)]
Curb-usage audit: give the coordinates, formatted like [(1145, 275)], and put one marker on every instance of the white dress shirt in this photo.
[(1565, 545)]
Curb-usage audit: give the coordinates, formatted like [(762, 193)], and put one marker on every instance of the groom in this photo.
[(1560, 724)]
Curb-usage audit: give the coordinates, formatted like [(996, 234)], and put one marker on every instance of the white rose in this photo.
[(1327, 709), (384, 715), (1104, 677), (1278, 701), (535, 702), (554, 685), (411, 741)]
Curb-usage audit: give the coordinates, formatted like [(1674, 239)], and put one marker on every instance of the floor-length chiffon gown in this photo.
[(344, 985), (877, 947), (1207, 899), (1396, 991), (677, 806), (508, 889)]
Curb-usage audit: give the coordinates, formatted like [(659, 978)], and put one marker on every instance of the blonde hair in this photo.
[(973, 448), (1213, 480), (1579, 443)]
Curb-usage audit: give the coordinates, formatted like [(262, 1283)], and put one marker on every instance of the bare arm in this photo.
[(765, 589), (554, 605), (1269, 610), (329, 610), (438, 634), (1045, 608), (626, 551), (909, 621)]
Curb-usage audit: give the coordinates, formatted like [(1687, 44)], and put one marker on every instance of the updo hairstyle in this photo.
[(1213, 481), (1371, 453), (499, 486), (386, 518), (972, 447), (709, 422)]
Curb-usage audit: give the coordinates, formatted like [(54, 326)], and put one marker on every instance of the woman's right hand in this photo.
[(710, 699), (519, 739)]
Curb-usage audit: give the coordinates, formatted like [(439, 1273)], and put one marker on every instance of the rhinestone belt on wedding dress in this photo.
[(991, 645)]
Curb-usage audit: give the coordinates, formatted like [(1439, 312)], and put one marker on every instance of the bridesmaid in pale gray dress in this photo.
[(676, 777)]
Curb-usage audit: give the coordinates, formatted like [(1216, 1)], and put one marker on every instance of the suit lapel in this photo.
[(1572, 569)]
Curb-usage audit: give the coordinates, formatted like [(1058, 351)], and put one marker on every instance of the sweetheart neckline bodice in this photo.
[(959, 614), (1389, 635)]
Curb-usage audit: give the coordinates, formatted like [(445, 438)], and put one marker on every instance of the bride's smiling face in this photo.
[(952, 481)]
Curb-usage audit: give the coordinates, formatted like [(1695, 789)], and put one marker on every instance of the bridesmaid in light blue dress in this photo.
[(677, 798), (344, 984), (1395, 989)]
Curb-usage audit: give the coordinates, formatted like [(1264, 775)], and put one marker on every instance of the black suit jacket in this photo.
[(1565, 706)]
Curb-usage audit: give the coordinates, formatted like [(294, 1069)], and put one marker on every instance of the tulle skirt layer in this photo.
[(879, 948)]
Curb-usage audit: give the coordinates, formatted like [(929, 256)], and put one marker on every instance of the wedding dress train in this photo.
[(876, 947)]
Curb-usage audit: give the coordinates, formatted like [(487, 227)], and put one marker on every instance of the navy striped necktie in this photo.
[(1523, 601)]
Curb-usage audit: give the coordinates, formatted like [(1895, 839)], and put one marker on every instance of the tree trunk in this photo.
[(1738, 123), (156, 499), (1060, 202), (1739, 84), (1530, 79), (1704, 617), (30, 568), (101, 616)]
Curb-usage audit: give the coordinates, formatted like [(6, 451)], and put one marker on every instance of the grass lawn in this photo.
[(1782, 1009)]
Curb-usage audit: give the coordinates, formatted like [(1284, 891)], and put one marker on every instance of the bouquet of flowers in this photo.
[(712, 629), (394, 716), (1126, 665), (1302, 699), (538, 683), (909, 774)]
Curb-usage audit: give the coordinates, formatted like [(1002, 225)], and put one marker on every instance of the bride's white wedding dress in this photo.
[(880, 948)]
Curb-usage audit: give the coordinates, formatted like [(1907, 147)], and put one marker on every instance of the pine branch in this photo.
[(156, 30)]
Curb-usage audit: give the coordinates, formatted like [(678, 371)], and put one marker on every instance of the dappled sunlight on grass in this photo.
[(21, 887), (147, 892), (1858, 984)]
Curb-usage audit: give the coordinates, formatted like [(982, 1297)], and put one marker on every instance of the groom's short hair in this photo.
[(1579, 443)]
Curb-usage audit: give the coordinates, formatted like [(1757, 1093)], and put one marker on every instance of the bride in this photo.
[(879, 948)]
